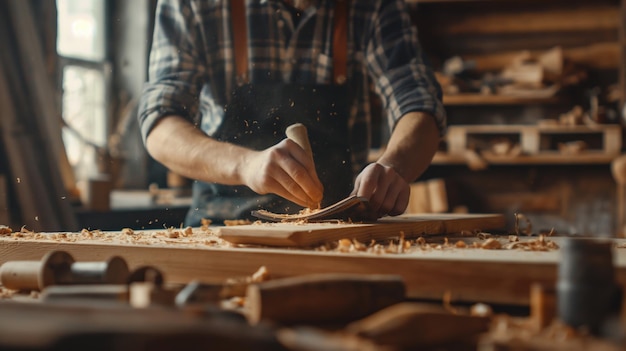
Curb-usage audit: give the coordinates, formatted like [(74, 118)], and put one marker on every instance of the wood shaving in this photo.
[(491, 244), (234, 222), (517, 333), (261, 275), (128, 231), (539, 244), (6, 293), (4, 230)]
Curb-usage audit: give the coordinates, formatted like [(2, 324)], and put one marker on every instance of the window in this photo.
[(85, 69)]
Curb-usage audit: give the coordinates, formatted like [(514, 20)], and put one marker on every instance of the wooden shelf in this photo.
[(546, 158), (479, 99)]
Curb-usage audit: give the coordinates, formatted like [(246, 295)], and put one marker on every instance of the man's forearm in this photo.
[(412, 145), (188, 151)]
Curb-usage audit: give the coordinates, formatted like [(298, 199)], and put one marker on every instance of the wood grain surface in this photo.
[(477, 275), (309, 234)]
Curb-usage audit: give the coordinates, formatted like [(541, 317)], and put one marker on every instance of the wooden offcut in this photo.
[(308, 234)]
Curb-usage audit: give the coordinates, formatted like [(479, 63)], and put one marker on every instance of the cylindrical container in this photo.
[(54, 268), (586, 289), (113, 271)]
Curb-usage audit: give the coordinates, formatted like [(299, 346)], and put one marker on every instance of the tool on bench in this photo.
[(113, 271), (298, 133), (53, 269), (322, 298), (60, 268), (417, 325)]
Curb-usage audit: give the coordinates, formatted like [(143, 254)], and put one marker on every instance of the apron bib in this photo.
[(256, 117)]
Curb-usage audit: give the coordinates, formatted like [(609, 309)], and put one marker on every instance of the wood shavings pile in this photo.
[(401, 245), (508, 332), (6, 293), (191, 237)]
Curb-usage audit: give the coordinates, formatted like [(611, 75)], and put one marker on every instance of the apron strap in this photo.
[(240, 38), (340, 40)]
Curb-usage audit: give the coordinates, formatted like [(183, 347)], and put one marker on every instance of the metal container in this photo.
[(586, 289)]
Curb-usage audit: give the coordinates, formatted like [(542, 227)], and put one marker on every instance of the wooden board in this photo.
[(476, 275), (309, 234)]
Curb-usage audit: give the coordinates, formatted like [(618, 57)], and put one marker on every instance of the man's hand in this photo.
[(409, 152), (284, 169), (387, 191)]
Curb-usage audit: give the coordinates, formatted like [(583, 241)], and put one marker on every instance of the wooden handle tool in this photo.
[(298, 133), (416, 325), (322, 298)]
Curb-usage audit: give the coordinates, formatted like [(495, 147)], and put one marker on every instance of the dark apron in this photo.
[(257, 117)]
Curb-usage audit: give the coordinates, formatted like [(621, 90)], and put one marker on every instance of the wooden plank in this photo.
[(530, 136), (592, 18), (309, 234), (545, 158), (480, 99), (492, 276)]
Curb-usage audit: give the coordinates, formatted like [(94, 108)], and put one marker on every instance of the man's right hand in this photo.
[(284, 169)]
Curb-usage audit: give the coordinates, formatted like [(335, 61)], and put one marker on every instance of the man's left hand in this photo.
[(387, 191)]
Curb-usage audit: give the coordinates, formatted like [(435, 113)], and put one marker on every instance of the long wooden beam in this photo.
[(475, 275)]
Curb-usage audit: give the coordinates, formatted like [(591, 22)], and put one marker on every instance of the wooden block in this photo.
[(613, 140), (147, 294), (530, 141), (457, 140), (542, 305), (419, 200), (417, 326), (308, 234), (437, 195)]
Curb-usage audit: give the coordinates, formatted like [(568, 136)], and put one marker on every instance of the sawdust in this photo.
[(6, 293), (188, 237), (401, 245), (234, 222)]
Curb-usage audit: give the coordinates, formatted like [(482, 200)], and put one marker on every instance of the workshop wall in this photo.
[(571, 196)]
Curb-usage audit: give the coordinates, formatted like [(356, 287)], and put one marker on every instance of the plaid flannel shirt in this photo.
[(192, 69)]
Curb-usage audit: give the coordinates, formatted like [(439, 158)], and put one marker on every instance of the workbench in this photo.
[(430, 269), (445, 260)]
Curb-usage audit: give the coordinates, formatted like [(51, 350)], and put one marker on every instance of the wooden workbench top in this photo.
[(431, 266)]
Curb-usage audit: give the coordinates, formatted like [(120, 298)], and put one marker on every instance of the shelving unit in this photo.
[(479, 100)]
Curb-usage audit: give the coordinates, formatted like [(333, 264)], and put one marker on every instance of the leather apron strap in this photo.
[(340, 41)]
